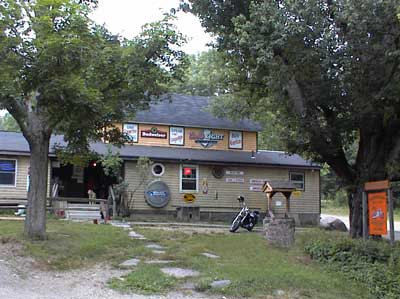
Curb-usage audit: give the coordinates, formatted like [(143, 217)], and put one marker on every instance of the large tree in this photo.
[(62, 73), (329, 68)]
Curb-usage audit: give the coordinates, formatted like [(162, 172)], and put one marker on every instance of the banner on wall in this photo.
[(176, 135), (235, 139), (377, 210), (154, 133), (207, 138), (131, 132)]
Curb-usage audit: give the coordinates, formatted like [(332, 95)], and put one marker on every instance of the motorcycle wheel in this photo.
[(249, 228), (235, 224)]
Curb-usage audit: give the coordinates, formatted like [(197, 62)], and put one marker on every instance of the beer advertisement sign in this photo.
[(176, 135), (131, 132), (377, 210)]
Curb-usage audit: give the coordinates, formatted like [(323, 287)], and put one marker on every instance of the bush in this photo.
[(372, 263)]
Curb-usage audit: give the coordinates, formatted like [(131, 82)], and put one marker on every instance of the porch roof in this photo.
[(12, 143)]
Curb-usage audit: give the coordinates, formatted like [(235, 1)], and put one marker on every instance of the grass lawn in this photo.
[(255, 269), (71, 245)]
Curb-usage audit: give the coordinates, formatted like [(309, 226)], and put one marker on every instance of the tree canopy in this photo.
[(328, 68), (62, 72), (8, 123)]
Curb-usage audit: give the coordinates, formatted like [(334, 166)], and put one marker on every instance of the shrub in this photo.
[(372, 263)]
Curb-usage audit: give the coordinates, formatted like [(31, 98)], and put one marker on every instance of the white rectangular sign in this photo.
[(258, 181), (176, 135), (131, 132), (235, 139), (235, 180), (256, 188), (234, 172)]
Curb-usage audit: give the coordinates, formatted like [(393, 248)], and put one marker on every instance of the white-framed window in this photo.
[(189, 178), (297, 178), (8, 173), (157, 169)]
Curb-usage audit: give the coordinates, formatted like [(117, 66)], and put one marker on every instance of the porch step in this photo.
[(82, 212), (83, 208)]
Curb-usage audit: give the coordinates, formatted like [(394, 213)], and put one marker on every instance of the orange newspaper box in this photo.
[(377, 210)]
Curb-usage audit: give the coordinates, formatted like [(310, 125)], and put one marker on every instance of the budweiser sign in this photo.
[(153, 133)]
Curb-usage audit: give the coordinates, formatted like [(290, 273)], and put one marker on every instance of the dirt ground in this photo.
[(21, 278)]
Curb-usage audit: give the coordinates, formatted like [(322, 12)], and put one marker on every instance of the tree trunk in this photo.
[(35, 223), (355, 213)]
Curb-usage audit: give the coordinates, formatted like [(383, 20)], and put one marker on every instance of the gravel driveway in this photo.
[(20, 278)]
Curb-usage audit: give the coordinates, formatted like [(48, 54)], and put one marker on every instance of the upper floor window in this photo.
[(8, 170), (297, 178), (189, 178)]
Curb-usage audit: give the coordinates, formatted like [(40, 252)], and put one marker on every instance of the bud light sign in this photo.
[(157, 194)]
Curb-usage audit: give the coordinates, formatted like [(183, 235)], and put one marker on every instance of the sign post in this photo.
[(391, 216), (365, 215)]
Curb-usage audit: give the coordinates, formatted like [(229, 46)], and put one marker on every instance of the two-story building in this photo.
[(198, 162)]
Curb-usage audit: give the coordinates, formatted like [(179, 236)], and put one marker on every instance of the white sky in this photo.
[(126, 17)]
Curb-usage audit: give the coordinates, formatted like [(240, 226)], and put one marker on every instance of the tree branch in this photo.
[(18, 111)]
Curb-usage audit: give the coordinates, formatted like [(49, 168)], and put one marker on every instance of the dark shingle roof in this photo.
[(187, 110), (12, 143)]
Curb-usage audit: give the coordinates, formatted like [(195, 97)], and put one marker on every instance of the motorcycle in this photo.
[(245, 218)]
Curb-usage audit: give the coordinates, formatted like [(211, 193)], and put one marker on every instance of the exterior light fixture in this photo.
[(253, 154)]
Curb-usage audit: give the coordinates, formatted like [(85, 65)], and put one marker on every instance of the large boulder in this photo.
[(332, 223)]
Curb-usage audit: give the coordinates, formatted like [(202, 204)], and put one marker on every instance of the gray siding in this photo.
[(307, 202)]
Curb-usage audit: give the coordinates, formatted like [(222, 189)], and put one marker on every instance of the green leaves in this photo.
[(81, 77), (329, 68)]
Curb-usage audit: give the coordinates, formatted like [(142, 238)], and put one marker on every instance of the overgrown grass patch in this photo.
[(255, 269), (146, 279), (73, 245), (374, 264)]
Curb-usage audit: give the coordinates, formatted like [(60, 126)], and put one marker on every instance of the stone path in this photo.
[(22, 279), (172, 271), (129, 263), (180, 272), (210, 255)]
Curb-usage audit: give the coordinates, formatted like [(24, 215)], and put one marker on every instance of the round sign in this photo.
[(188, 197), (157, 194)]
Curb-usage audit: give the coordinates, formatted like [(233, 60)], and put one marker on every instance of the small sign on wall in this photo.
[(256, 185), (258, 181), (207, 138), (296, 194), (189, 197), (256, 188), (131, 132), (234, 172), (176, 135), (235, 180), (235, 139), (153, 133)]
